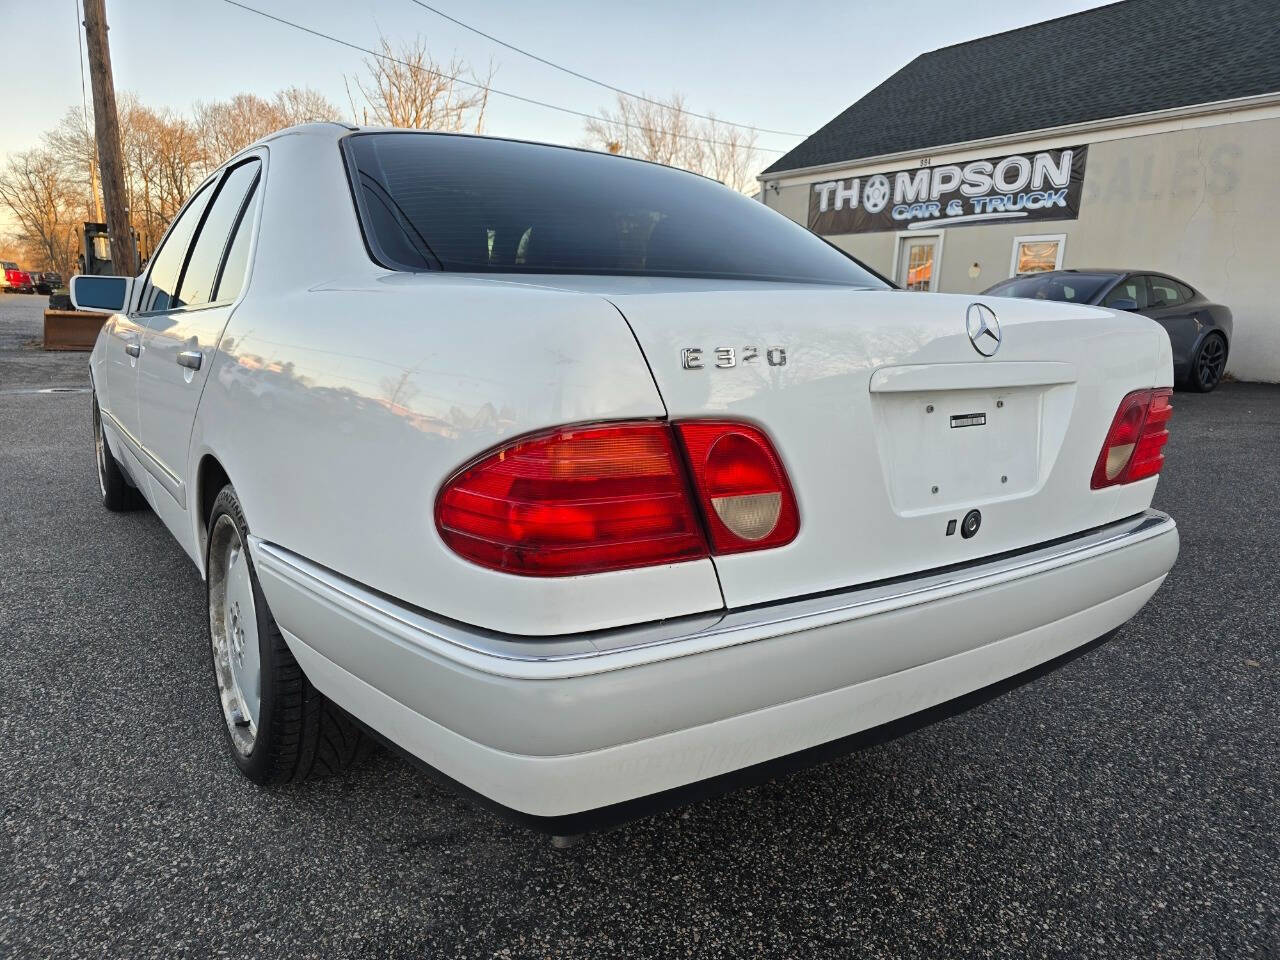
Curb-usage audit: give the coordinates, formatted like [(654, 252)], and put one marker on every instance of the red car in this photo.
[(16, 280)]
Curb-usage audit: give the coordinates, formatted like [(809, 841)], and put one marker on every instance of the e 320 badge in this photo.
[(725, 357)]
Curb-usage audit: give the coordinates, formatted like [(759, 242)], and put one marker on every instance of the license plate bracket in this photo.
[(946, 449)]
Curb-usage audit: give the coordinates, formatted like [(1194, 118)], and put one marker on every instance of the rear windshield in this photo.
[(435, 201), (1070, 288)]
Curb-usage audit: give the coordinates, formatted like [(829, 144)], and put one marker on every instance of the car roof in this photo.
[(1109, 271), (337, 130)]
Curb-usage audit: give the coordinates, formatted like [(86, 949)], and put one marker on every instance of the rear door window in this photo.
[(1130, 288), (231, 282), (201, 273), (1164, 292)]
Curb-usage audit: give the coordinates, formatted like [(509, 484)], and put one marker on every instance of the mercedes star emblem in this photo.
[(984, 329)]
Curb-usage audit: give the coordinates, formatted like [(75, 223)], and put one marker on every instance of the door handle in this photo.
[(190, 358), (133, 349)]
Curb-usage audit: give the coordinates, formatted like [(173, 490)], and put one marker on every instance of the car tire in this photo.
[(118, 494), (1209, 363), (284, 730)]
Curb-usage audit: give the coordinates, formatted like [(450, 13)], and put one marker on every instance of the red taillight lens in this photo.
[(1134, 448), (608, 497), (743, 489), (579, 500)]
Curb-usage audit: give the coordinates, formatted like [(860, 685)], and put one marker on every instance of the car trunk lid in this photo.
[(893, 426)]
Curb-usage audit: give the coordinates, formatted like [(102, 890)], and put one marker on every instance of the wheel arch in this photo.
[(1188, 378), (211, 477), (1208, 332)]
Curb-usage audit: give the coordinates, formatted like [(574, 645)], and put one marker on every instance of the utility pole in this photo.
[(107, 133)]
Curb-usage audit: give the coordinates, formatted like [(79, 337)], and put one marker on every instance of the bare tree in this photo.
[(33, 190), (226, 126), (663, 133), (729, 155), (303, 105), (72, 141), (167, 154), (146, 145), (405, 86), (179, 161), (11, 249), (667, 133), (140, 131)]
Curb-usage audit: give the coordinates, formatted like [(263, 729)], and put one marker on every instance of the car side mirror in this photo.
[(108, 294), (1125, 304)]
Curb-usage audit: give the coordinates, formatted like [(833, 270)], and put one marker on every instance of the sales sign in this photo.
[(1041, 185)]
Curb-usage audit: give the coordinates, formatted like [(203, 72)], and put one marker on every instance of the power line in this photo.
[(598, 83), (477, 86), (84, 99), (84, 115)]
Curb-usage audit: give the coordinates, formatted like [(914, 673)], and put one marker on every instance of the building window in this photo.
[(918, 258), (1037, 254)]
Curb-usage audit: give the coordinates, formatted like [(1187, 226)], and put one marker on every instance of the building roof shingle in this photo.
[(1132, 57)]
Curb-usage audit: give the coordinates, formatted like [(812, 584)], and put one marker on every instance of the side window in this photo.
[(1185, 292), (1164, 292), (201, 273), (233, 271), (1130, 288), (162, 282)]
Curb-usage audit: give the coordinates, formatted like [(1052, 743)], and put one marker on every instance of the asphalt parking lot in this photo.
[(1125, 806)]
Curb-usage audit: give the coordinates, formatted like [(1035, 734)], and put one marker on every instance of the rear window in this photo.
[(1069, 288), (436, 201)]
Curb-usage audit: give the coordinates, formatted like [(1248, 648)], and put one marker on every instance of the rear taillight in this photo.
[(578, 500), (741, 485), (605, 497), (1134, 448)]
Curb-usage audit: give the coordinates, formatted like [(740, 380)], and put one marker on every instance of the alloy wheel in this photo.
[(233, 629), (99, 449), (1213, 357)]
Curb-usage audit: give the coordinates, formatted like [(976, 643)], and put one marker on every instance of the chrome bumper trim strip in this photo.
[(577, 654)]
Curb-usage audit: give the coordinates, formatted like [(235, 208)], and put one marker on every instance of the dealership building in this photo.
[(1142, 135)]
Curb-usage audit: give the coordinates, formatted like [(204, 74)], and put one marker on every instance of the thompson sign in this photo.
[(1044, 185)]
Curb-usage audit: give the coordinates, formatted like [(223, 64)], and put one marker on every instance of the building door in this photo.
[(918, 263)]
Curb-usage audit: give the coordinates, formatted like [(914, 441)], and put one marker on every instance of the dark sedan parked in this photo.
[(1200, 331)]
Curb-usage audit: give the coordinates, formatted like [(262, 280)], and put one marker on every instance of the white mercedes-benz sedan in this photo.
[(595, 486)]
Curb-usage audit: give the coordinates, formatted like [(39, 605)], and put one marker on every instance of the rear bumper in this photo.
[(571, 728)]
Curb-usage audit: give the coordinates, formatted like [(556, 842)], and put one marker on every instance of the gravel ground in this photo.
[(1125, 806)]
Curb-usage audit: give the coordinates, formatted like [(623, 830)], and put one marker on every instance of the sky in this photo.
[(789, 67)]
